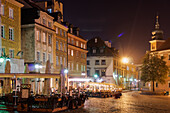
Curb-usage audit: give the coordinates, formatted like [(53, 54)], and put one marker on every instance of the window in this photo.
[(97, 72), (77, 67), (71, 30), (81, 67), (88, 72), (68, 66), (61, 46), (77, 53), (44, 57), (156, 84), (84, 68), (72, 41), (61, 32), (64, 47), (38, 36), (11, 13), (49, 24), (68, 51), (11, 34), (103, 62), (95, 40), (162, 56), (88, 62), (56, 30), (94, 50), (2, 31), (77, 43), (127, 67), (44, 37), (44, 21), (169, 57), (72, 66), (101, 50), (103, 72), (71, 52), (81, 45), (49, 39), (11, 53), (64, 33), (97, 62), (38, 56), (57, 60), (68, 40), (169, 84), (49, 10), (3, 51), (49, 57), (57, 45), (2, 9), (61, 61), (84, 46), (115, 62)]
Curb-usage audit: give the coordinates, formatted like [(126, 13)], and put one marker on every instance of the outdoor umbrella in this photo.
[(47, 80), (7, 85)]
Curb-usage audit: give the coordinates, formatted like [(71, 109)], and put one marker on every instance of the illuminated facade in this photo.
[(161, 47)]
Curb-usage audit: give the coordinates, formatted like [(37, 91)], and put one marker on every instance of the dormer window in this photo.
[(59, 19), (77, 33), (94, 50), (95, 40), (44, 21)]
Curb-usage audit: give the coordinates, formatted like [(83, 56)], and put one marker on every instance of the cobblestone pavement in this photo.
[(130, 102)]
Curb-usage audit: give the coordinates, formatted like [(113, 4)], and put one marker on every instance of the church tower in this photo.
[(157, 37)]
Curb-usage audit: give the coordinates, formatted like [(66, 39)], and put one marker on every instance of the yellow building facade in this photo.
[(11, 28)]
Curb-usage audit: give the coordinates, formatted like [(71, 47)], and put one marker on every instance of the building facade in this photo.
[(102, 61), (11, 36), (160, 47)]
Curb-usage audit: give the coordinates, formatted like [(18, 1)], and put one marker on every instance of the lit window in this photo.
[(44, 37), (68, 40), (84, 46), (94, 50), (56, 30), (2, 31), (68, 66), (2, 9), (38, 36), (68, 51), (84, 68), (103, 72), (95, 40), (71, 52), (77, 43), (61, 61), (71, 30), (81, 67), (11, 13), (11, 34), (81, 45), (44, 57), (11, 53)]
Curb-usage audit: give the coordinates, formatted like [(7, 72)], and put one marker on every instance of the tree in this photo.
[(154, 69)]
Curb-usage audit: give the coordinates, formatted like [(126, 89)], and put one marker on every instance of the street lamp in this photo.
[(125, 60), (65, 71)]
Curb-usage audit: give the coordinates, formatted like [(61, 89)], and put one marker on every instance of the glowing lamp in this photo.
[(125, 60), (65, 71), (1, 59)]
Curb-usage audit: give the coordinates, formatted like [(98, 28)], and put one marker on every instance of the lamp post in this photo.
[(125, 60)]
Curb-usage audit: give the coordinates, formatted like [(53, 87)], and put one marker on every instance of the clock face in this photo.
[(25, 93)]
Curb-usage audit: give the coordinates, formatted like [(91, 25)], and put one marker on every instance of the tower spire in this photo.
[(157, 22)]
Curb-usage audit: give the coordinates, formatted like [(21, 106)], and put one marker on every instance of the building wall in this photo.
[(15, 24), (77, 55), (59, 54)]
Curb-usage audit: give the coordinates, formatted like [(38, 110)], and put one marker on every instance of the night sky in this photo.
[(127, 23)]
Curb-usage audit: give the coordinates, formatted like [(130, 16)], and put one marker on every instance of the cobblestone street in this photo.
[(130, 102)]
